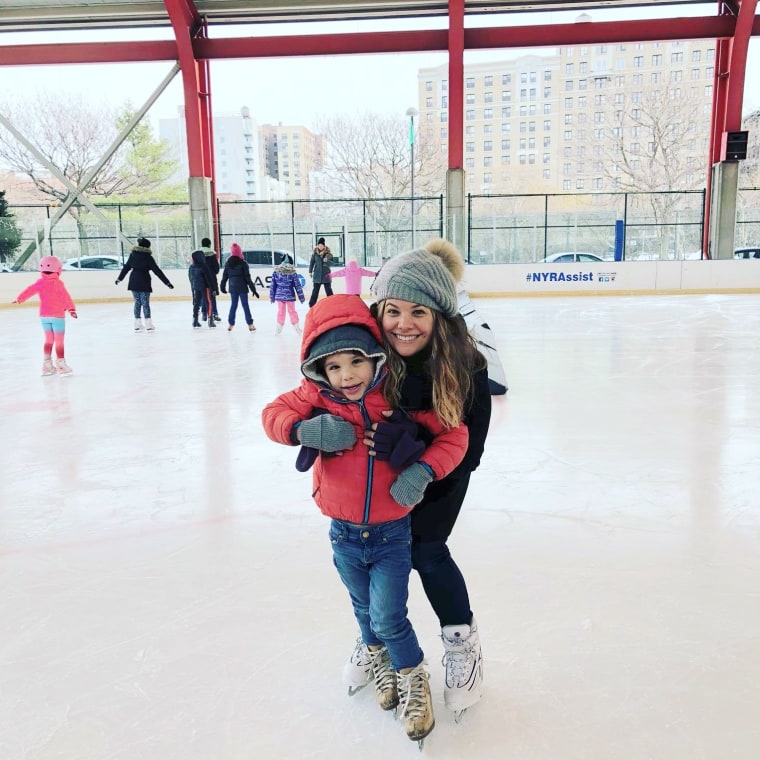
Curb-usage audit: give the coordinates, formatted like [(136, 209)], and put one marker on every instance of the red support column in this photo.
[(456, 83), (728, 94)]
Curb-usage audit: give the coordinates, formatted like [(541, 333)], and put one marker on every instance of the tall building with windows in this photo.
[(290, 155), (580, 118), (237, 153)]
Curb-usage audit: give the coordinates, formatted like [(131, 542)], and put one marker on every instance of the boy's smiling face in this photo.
[(350, 372)]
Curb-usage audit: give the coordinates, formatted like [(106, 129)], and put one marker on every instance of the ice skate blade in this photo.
[(459, 714), (353, 690)]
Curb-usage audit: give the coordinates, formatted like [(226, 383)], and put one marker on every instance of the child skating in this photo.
[(55, 301), (141, 263), (202, 287), (283, 290), (368, 493), (353, 274)]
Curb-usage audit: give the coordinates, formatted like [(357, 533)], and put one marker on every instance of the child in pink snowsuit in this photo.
[(353, 274), (55, 301)]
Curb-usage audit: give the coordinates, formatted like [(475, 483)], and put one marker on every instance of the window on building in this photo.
[(469, 131), (428, 102), (523, 126), (657, 59), (469, 163), (428, 87), (547, 157), (523, 159), (568, 134), (506, 159), (444, 132), (487, 160), (488, 97), (506, 126), (531, 143), (523, 110), (506, 112), (488, 80), (547, 75), (487, 145), (569, 85), (568, 103), (569, 69), (568, 118), (581, 101), (547, 92), (469, 99), (710, 54), (444, 116), (506, 95), (676, 76), (579, 183), (505, 144), (547, 125), (547, 108), (506, 79), (547, 142), (470, 83), (488, 129), (709, 72), (524, 77), (444, 101), (444, 85), (676, 57), (566, 184), (566, 169), (487, 178), (524, 93), (469, 147), (488, 113), (469, 115), (638, 61), (523, 143)]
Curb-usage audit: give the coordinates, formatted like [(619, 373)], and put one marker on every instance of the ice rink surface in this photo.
[(166, 585)]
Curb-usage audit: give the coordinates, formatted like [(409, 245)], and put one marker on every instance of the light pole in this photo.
[(411, 112)]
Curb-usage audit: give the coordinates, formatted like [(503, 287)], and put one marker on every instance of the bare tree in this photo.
[(369, 158), (73, 136), (750, 167), (648, 141)]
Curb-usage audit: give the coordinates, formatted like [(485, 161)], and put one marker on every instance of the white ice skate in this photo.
[(416, 703), (62, 368), (464, 667), (47, 367), (357, 672)]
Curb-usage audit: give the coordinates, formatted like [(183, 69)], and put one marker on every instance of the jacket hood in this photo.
[(140, 249), (339, 323), (198, 257), (285, 268)]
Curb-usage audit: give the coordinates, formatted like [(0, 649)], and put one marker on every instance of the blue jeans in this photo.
[(142, 300), (374, 562), (243, 299)]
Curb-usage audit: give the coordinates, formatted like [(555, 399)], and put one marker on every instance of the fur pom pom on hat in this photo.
[(427, 276)]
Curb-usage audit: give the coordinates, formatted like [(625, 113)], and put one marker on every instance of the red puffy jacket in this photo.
[(355, 487)]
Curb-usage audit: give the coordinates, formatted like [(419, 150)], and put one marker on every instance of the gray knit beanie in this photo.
[(427, 276)]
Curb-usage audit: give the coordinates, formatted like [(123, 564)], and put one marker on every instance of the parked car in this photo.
[(571, 257), (93, 262), (747, 253), (267, 257)]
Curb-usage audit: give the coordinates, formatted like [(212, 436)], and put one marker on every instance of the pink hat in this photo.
[(235, 250)]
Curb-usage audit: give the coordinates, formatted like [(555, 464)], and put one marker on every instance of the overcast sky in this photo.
[(294, 91)]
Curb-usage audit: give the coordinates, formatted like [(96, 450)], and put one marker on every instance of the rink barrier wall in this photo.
[(481, 281)]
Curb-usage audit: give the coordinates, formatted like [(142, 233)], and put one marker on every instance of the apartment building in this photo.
[(579, 118), (236, 151), (290, 154)]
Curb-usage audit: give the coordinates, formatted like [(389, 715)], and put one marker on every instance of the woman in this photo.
[(141, 263), (319, 269), (434, 364)]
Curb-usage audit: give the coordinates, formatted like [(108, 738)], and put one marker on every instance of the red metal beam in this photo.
[(377, 42)]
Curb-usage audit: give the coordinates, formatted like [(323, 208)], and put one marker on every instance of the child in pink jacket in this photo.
[(353, 274), (55, 301)]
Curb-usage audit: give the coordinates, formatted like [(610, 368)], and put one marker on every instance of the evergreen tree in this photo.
[(10, 234)]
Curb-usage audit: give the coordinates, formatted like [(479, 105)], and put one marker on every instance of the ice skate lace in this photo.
[(412, 693), (458, 663), (382, 671), (360, 656)]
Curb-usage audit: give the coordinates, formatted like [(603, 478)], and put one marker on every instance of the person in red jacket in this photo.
[(55, 301), (368, 493)]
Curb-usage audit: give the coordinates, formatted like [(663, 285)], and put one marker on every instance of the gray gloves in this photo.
[(409, 486), (327, 432)]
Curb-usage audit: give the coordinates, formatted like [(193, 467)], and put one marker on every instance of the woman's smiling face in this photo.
[(408, 327)]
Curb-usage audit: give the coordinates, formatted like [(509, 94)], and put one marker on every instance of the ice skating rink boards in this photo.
[(166, 586)]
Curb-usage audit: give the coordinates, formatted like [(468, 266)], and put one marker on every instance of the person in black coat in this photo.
[(141, 263), (237, 277), (202, 286), (212, 262), (319, 269)]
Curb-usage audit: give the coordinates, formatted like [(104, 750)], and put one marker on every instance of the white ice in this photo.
[(166, 586)]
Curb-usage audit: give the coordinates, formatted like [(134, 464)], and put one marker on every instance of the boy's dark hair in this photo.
[(206, 243)]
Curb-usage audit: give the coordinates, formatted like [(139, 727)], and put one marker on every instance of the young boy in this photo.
[(369, 498)]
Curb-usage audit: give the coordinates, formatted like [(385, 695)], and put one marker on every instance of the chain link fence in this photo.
[(501, 229)]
